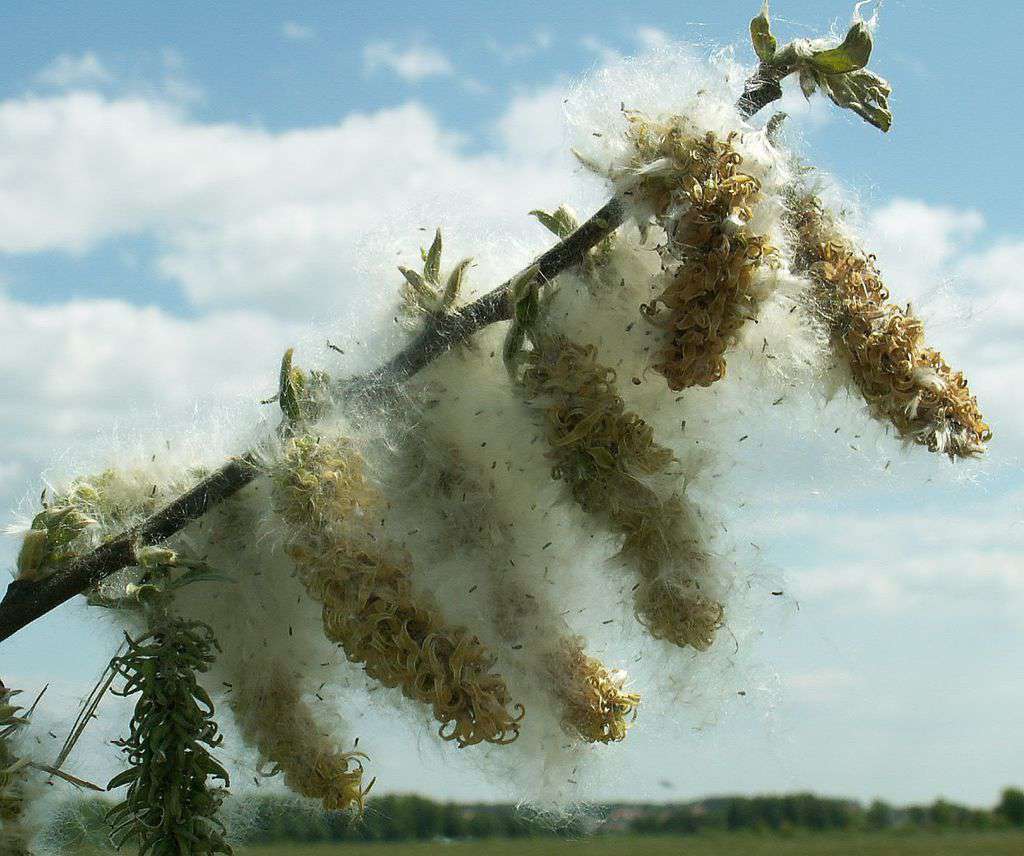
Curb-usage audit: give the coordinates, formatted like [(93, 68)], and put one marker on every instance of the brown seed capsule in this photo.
[(709, 257), (369, 607), (902, 380), (272, 716), (596, 705), (603, 452)]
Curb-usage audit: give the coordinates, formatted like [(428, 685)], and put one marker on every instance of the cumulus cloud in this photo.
[(606, 54), (510, 52), (296, 32), (81, 365), (651, 38), (68, 71), (412, 64), (244, 217)]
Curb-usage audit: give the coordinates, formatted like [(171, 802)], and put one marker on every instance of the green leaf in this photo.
[(852, 55), (761, 36), (432, 261), (291, 386), (35, 549), (123, 778), (454, 285), (424, 293), (512, 348), (863, 92), (562, 221)]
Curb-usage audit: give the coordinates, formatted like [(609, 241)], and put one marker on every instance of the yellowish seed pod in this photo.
[(903, 381), (710, 257), (603, 452), (369, 608), (596, 704), (273, 717)]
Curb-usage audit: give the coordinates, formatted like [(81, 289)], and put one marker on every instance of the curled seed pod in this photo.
[(14, 834), (902, 380), (369, 608), (710, 258), (603, 452), (273, 717), (677, 612), (169, 808), (596, 705)]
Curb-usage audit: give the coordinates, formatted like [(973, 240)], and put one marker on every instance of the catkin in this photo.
[(902, 380), (273, 717), (369, 608), (14, 834), (703, 202), (602, 452), (595, 704)]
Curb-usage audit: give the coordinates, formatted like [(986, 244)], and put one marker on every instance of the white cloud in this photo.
[(915, 242), (533, 124), (249, 218), (413, 64), (972, 299), (651, 38), (296, 32), (606, 54), (824, 684), (68, 71), (75, 368), (519, 51), (176, 85)]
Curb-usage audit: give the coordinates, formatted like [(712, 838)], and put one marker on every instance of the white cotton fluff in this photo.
[(473, 500), (464, 466)]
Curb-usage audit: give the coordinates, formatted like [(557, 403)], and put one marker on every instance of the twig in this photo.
[(88, 711), (25, 600)]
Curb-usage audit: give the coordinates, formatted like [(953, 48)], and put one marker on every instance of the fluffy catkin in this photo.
[(595, 704), (602, 452), (692, 184), (902, 380), (363, 582), (15, 835), (273, 717)]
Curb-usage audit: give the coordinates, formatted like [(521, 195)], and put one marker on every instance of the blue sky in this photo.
[(184, 187)]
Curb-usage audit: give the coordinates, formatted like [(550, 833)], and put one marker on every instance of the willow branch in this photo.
[(762, 88), (26, 600)]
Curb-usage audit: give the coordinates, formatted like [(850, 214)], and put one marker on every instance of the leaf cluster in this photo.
[(169, 808)]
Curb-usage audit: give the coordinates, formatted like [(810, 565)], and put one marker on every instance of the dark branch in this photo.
[(25, 601), (761, 89), (458, 326)]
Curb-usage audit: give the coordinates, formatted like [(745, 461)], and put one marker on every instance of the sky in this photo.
[(187, 189)]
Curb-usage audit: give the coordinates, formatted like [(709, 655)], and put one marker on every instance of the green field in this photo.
[(823, 844)]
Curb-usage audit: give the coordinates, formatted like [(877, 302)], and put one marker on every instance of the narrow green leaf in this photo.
[(512, 347), (292, 384), (562, 221), (425, 294), (852, 55), (454, 284), (432, 261), (761, 36)]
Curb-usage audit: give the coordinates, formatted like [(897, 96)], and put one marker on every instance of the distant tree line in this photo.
[(810, 812), (268, 818)]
